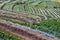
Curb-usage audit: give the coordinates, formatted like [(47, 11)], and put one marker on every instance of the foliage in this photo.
[(7, 36), (50, 25)]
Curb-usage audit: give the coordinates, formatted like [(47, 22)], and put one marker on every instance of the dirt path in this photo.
[(24, 33)]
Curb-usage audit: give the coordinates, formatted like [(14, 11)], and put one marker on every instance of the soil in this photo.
[(24, 33)]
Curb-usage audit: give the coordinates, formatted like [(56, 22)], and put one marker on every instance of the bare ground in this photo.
[(23, 32)]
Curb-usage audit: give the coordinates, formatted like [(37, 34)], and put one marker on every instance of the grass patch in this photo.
[(6, 36)]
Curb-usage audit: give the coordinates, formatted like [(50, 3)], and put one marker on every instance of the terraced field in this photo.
[(42, 15)]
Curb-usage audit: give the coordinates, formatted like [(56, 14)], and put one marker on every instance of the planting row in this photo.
[(19, 14), (44, 12), (18, 18), (22, 17), (45, 26), (20, 31)]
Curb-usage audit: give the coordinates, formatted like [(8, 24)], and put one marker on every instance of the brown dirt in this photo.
[(24, 33)]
